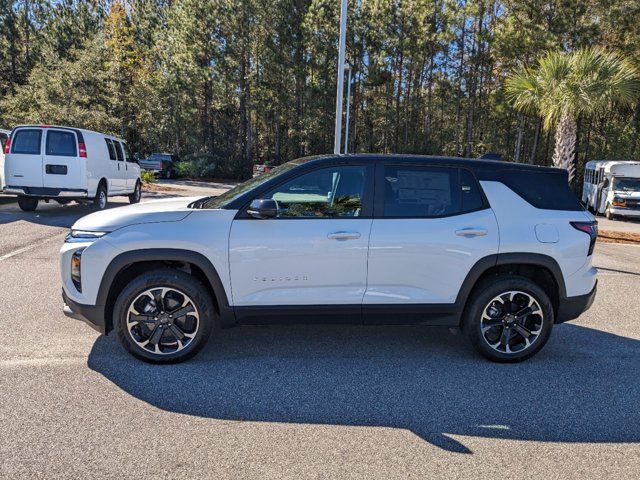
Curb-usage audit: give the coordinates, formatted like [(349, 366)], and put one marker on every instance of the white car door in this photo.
[(23, 163), (63, 166), (432, 224), (133, 169), (314, 252), (121, 178)]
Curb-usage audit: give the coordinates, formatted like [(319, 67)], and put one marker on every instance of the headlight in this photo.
[(76, 260), (618, 202), (83, 236)]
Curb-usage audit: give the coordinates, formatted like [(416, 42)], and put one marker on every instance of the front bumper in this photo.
[(45, 192), (571, 308), (93, 315), (625, 212)]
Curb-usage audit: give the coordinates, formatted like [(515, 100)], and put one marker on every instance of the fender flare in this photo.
[(123, 260), (518, 258)]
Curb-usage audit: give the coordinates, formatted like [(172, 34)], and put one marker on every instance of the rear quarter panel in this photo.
[(556, 238)]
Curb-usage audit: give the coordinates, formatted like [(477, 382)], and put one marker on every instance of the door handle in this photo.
[(471, 232), (343, 235)]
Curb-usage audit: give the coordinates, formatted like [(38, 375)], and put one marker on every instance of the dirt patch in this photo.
[(153, 187), (610, 236)]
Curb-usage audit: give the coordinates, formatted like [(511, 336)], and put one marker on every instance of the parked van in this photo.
[(62, 163), (4, 135), (612, 188)]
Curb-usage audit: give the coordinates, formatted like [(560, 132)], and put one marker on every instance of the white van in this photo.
[(4, 136), (612, 188), (44, 162)]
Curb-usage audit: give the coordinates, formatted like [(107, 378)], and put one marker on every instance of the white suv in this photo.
[(502, 250), (44, 162)]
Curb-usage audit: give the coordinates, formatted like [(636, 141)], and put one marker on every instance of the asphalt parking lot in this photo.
[(309, 401)]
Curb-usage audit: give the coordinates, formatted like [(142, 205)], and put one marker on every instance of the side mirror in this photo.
[(263, 208)]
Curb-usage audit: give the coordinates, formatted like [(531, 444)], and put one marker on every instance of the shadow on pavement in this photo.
[(583, 387)]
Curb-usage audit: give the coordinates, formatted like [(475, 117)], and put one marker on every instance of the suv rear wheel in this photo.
[(164, 316), (508, 318), (28, 204)]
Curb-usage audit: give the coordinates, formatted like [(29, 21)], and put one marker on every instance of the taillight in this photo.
[(7, 146), (591, 229), (82, 149)]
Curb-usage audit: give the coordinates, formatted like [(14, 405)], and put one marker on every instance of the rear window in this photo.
[(61, 144), (119, 153), (159, 156), (27, 141), (112, 150), (545, 190)]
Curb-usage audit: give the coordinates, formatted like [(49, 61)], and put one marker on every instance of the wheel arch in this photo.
[(128, 265), (540, 268)]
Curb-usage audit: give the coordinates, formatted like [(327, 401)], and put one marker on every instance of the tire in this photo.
[(486, 325), (168, 174), (101, 199), (152, 337), (608, 214), (27, 204), (137, 193)]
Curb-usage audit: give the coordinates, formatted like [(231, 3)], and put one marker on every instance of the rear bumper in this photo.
[(93, 315), (46, 192), (571, 308)]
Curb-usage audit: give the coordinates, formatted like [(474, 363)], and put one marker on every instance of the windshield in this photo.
[(221, 200), (627, 184)]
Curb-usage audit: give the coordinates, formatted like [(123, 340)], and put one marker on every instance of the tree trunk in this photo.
[(516, 156), (565, 145), (536, 139)]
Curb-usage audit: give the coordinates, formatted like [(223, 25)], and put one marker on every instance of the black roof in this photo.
[(485, 169)]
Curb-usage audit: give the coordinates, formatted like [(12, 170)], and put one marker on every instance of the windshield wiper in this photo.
[(200, 202)]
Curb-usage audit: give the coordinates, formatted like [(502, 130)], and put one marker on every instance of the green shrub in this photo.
[(198, 166), (147, 176)]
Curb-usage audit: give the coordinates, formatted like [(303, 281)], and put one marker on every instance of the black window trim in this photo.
[(378, 210), (13, 137), (46, 142), (367, 197)]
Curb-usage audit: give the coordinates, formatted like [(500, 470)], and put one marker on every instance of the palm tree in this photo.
[(564, 86)]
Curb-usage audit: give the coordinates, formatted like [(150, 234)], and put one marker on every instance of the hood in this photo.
[(169, 210)]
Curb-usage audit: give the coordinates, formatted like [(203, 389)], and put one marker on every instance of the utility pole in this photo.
[(346, 127), (340, 86)]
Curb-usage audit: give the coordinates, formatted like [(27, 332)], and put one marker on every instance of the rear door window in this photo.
[(27, 141), (119, 153), (111, 148), (61, 144), (472, 199), (420, 192)]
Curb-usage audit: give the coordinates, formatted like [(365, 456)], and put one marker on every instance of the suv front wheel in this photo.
[(508, 318), (164, 316)]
